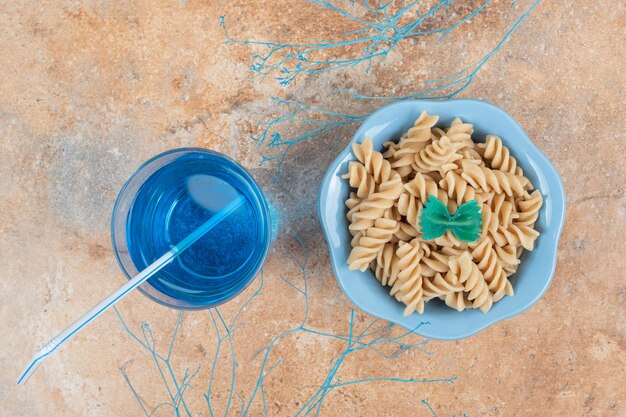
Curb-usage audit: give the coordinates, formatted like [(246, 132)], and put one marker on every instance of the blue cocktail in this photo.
[(168, 198)]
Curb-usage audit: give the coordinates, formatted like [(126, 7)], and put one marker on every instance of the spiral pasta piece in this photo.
[(505, 209), (416, 139), (473, 280), (374, 206), (423, 186), (387, 269), (507, 254), (461, 133), (360, 179), (520, 235), (457, 300), (529, 206), (408, 286), (458, 188), (441, 285), (409, 255), (371, 242), (509, 258), (373, 161), (490, 224), (489, 264), (499, 156), (436, 262), (438, 156), (493, 180), (390, 155), (409, 206)]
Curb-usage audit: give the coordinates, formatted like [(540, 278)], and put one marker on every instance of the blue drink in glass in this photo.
[(168, 198)]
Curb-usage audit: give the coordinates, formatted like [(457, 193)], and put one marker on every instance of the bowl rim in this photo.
[(558, 211)]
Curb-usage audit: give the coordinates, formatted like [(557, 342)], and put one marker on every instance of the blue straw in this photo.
[(152, 269)]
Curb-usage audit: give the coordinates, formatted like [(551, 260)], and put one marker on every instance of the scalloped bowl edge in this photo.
[(556, 214)]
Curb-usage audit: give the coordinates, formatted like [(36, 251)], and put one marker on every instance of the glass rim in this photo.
[(148, 290)]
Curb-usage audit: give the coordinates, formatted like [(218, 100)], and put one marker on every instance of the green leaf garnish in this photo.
[(436, 220)]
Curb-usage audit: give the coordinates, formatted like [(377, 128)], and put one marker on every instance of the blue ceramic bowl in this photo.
[(537, 267)]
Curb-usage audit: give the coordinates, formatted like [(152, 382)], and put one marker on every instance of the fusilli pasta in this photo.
[(389, 191)]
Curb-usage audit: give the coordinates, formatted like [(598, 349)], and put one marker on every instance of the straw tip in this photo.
[(29, 371)]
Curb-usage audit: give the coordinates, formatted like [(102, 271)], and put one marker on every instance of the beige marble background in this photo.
[(90, 89)]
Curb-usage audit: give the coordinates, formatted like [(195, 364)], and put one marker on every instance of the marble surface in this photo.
[(90, 89)]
